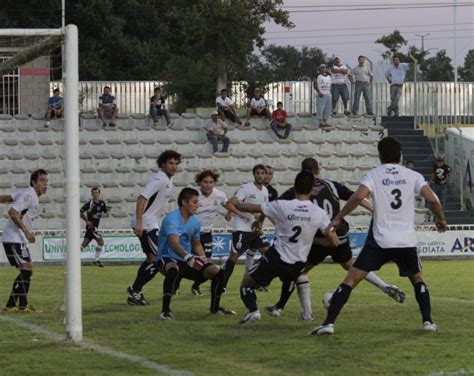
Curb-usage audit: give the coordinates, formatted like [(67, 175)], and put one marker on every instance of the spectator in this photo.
[(362, 76), (55, 107), (439, 180), (107, 107), (279, 122), (396, 76), (157, 108), (226, 107), (338, 85), (322, 85), (216, 131), (257, 106), (410, 164)]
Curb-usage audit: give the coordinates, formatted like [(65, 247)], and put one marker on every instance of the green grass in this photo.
[(374, 334)]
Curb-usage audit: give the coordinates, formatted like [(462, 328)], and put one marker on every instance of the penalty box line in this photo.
[(97, 348)]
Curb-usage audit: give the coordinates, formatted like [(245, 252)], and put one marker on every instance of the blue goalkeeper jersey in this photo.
[(173, 224)]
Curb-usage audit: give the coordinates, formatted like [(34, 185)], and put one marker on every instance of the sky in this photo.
[(348, 28)]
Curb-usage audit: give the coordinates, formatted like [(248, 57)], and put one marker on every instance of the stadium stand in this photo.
[(120, 159)]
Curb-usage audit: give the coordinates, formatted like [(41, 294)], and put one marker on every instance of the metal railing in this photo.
[(435, 101)]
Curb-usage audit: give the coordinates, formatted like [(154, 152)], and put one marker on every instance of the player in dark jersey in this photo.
[(91, 212), (327, 195), (272, 192)]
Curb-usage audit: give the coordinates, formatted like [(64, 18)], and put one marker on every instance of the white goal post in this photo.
[(44, 39)]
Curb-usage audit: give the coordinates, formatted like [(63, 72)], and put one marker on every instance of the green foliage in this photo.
[(466, 72), (374, 334), (393, 41), (439, 68)]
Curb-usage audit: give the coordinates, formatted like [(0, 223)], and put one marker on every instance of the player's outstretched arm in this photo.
[(231, 208), (434, 205), (5, 199), (353, 202), (367, 205), (331, 237), (250, 208)]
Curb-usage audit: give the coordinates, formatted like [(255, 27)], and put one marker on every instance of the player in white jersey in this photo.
[(391, 234), (243, 237), (17, 233), (210, 200), (151, 204), (297, 221)]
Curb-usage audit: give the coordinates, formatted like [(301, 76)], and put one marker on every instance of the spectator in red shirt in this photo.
[(279, 122)]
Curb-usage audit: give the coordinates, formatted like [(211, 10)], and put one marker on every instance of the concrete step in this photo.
[(422, 142), (396, 125), (417, 151), (405, 133), (399, 119)]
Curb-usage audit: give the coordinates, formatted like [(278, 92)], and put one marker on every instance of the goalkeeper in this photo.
[(180, 254)]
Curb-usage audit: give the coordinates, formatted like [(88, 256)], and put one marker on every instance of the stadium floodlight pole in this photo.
[(71, 144)]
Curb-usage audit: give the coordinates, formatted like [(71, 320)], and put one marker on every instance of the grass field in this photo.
[(374, 334)]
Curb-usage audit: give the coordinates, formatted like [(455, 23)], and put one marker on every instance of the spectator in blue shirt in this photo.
[(55, 107), (107, 107), (181, 255), (396, 77)]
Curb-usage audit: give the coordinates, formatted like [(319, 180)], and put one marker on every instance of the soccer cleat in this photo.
[(221, 311), (251, 316), (395, 292), (142, 298), (10, 309), (98, 263), (274, 311), (263, 289), (322, 330), (430, 327), (304, 317), (166, 316), (135, 298), (28, 309), (196, 291)]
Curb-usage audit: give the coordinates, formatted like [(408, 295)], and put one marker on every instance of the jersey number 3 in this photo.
[(397, 194), (297, 232)]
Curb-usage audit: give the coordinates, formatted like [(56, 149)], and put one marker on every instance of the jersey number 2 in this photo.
[(297, 232), (397, 194)]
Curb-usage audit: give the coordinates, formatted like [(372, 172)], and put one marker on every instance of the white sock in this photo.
[(304, 294), (375, 280), (249, 259), (98, 251)]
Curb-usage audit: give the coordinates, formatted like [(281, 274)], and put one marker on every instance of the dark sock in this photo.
[(24, 285), (340, 297), (247, 294), (423, 298), (16, 290), (287, 288), (228, 269), (177, 283), (169, 287), (200, 281), (217, 285), (145, 274)]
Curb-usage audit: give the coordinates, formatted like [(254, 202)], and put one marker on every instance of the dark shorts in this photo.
[(372, 258), (270, 266), (149, 241), (17, 253), (243, 241), (339, 91), (340, 254), (254, 112), (206, 242), (185, 270), (92, 233), (228, 114)]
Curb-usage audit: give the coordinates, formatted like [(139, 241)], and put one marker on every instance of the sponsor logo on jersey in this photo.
[(390, 182)]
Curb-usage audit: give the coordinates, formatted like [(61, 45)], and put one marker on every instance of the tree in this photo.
[(393, 42), (466, 72), (439, 68)]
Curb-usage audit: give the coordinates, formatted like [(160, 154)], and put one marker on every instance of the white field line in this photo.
[(463, 371), (435, 298), (97, 348)]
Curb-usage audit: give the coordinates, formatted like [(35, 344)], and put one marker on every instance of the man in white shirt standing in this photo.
[(396, 77), (362, 77), (392, 235), (339, 85), (243, 236), (150, 205), (322, 85), (210, 199), (297, 221), (17, 233), (226, 107)]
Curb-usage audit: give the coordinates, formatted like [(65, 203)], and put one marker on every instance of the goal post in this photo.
[(36, 43)]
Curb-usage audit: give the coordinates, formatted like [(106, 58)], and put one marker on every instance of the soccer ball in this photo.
[(327, 297)]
